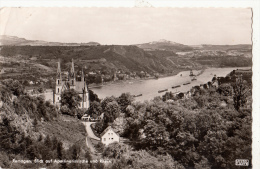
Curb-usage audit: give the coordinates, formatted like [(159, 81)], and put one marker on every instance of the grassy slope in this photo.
[(67, 129)]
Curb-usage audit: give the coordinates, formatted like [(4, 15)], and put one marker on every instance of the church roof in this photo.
[(79, 86)]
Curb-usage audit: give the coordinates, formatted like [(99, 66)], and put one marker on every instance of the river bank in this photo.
[(148, 89), (90, 86)]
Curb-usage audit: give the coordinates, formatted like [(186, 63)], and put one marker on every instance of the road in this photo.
[(90, 135), (89, 130)]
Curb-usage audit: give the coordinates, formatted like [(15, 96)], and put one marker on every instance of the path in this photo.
[(90, 135), (89, 130)]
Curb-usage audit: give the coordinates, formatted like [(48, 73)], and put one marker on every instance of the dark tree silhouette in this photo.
[(70, 98), (240, 90)]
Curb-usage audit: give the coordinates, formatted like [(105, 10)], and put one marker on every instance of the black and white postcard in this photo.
[(127, 87)]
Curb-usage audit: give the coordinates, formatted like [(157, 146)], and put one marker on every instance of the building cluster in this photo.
[(70, 82)]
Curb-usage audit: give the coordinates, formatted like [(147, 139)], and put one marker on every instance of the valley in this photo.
[(35, 63)]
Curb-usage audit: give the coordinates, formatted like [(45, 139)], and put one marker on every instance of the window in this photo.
[(58, 98), (58, 90), (112, 138), (108, 133), (58, 81), (104, 139), (112, 134)]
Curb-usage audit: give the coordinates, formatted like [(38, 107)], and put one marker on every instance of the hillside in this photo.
[(127, 58), (164, 45), (31, 128), (16, 41), (224, 47), (34, 59)]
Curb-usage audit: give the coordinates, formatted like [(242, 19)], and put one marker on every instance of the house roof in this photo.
[(106, 130), (102, 116), (85, 115)]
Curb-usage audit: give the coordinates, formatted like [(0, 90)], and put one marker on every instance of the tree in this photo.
[(15, 86), (168, 96), (80, 112), (225, 89), (111, 111), (240, 90), (70, 98), (95, 109), (93, 97), (59, 150), (155, 134), (124, 100), (116, 150), (106, 101), (75, 152), (180, 95), (35, 125)]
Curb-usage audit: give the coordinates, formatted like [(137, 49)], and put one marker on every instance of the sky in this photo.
[(125, 26)]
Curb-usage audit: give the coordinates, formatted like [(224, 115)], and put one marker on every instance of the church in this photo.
[(70, 83)]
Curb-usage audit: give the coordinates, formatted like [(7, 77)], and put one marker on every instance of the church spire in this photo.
[(72, 69), (59, 70), (82, 76)]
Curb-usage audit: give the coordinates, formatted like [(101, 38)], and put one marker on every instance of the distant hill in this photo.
[(223, 47), (111, 57), (16, 41), (155, 57), (165, 45)]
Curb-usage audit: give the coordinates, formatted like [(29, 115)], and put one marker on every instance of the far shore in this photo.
[(94, 85)]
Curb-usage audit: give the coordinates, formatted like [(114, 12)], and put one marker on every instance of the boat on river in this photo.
[(176, 86), (160, 91), (186, 83), (194, 78), (138, 95)]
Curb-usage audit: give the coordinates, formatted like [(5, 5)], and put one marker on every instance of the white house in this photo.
[(109, 136), (85, 117)]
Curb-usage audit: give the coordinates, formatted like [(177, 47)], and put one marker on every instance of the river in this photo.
[(149, 88)]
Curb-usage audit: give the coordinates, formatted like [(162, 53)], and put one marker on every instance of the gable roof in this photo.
[(106, 130)]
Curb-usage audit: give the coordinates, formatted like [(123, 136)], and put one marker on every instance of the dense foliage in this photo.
[(123, 156), (21, 137), (209, 129), (203, 131), (206, 130)]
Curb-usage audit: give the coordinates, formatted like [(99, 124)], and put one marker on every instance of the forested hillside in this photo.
[(127, 58), (211, 129), (31, 128)]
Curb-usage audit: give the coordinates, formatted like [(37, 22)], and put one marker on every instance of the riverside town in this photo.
[(123, 88)]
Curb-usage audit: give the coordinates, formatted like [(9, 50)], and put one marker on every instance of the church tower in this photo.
[(72, 76), (58, 87), (85, 94), (79, 86)]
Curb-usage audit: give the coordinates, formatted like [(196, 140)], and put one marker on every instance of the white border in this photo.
[(254, 4)]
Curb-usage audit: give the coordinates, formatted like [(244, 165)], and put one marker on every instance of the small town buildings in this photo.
[(109, 136)]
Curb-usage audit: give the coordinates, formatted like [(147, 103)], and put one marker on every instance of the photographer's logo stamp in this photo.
[(242, 162)]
